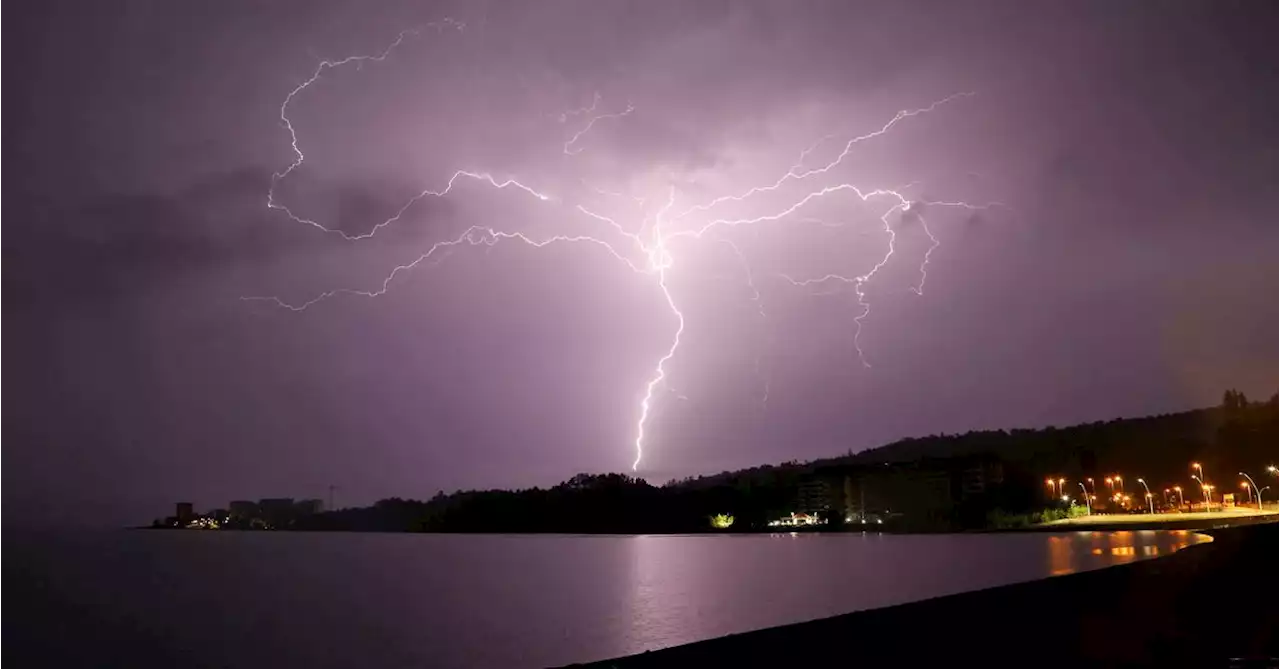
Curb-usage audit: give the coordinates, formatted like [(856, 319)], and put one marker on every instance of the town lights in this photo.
[(1151, 507), (1255, 488)]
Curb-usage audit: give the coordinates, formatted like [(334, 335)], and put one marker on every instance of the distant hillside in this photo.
[(1188, 432), (1236, 436), (1226, 439)]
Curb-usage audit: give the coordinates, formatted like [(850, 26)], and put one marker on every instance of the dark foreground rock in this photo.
[(1211, 605)]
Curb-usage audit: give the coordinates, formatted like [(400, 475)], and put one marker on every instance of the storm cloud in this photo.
[(1130, 272)]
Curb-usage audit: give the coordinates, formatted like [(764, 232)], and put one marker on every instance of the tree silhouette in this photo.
[(1235, 436)]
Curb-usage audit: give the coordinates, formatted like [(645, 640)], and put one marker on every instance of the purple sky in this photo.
[(1130, 274)]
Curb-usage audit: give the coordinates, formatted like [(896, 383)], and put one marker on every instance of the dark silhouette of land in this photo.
[(1238, 435), (1210, 605), (977, 480)]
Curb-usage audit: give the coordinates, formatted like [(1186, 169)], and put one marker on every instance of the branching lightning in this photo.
[(569, 148), (647, 251)]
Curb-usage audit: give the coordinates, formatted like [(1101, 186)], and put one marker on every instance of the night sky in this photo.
[(1134, 144)]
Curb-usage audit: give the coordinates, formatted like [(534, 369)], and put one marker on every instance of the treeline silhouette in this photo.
[(1236, 436)]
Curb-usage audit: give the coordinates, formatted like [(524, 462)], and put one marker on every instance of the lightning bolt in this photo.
[(797, 171), (299, 158), (569, 149), (651, 244), (582, 111), (660, 258)]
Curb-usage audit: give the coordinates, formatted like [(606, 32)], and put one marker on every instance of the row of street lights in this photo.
[(1116, 482)]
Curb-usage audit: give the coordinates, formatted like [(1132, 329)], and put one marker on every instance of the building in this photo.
[(923, 494), (307, 507), (813, 496), (242, 509), (276, 511), (184, 512), (795, 520)]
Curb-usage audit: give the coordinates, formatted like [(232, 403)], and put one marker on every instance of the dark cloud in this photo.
[(115, 243), (1133, 144)]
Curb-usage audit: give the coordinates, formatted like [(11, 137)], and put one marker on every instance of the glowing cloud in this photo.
[(649, 250)]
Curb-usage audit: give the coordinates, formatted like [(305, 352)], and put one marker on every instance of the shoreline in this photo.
[(1121, 523), (1205, 605)]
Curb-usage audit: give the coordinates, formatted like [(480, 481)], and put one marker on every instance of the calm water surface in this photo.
[(192, 599)]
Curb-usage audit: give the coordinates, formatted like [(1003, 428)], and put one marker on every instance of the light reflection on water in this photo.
[(688, 595), (1126, 546), (340, 600)]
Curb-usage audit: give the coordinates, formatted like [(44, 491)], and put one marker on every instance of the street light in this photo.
[(1181, 502), (1087, 504), (1255, 487), (1049, 482), (1204, 491), (1271, 469), (1111, 483), (1060, 482), (1092, 488), (1151, 506), (1120, 483)]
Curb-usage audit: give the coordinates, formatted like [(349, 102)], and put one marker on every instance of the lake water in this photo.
[(226, 599)]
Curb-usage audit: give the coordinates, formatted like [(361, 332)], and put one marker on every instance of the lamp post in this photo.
[(1181, 502), (1060, 482), (1093, 489), (1151, 505), (1111, 484), (1255, 487), (1120, 483), (1204, 491), (1049, 482), (1087, 504)]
